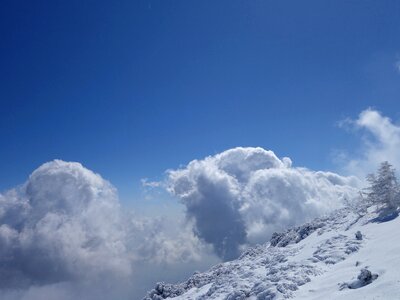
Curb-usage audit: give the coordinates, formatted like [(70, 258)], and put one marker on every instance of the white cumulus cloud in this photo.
[(64, 233), (381, 142), (242, 195)]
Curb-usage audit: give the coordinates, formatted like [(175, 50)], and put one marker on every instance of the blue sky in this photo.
[(132, 88)]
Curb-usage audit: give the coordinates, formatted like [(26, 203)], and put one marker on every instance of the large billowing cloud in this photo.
[(63, 233), (380, 143), (241, 196)]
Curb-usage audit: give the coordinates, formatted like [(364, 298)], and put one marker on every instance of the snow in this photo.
[(381, 254), (329, 261)]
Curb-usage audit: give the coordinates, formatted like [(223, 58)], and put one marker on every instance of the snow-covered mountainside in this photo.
[(342, 256)]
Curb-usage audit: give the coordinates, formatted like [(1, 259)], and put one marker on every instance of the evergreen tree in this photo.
[(384, 188)]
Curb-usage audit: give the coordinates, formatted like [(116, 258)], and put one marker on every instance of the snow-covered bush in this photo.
[(294, 235), (238, 295), (357, 205)]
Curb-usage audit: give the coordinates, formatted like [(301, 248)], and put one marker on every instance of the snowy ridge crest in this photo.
[(276, 269)]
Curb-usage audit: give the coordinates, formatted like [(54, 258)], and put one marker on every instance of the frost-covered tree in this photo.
[(384, 188), (358, 205)]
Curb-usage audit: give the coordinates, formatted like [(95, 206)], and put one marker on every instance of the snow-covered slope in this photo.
[(319, 260)]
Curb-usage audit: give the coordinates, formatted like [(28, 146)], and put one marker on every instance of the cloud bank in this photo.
[(381, 142), (64, 233), (242, 195)]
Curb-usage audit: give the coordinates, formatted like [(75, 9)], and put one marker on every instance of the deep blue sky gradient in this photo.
[(132, 88)]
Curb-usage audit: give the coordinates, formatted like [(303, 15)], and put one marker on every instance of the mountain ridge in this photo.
[(293, 261)]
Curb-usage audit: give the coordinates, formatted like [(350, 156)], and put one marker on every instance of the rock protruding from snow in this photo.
[(364, 278)]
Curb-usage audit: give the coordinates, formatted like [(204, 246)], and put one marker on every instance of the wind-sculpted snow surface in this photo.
[(275, 270)]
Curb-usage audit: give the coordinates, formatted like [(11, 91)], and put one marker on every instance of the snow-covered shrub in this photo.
[(238, 295), (358, 205), (266, 295), (294, 235), (164, 290)]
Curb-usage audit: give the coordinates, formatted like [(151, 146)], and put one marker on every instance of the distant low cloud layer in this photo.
[(381, 142), (241, 196), (65, 227)]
